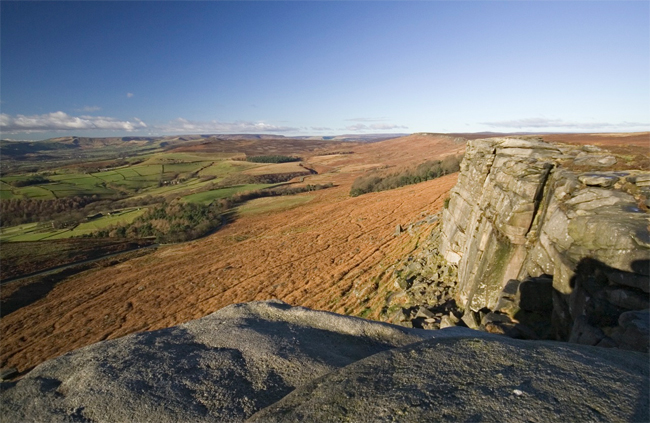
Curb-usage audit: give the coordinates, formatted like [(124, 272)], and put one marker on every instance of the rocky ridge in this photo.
[(543, 249)]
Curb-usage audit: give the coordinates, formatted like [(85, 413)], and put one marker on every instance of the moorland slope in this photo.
[(321, 249)]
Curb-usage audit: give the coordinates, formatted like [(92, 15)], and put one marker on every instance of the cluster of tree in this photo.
[(242, 179), (32, 180), (428, 170), (65, 212), (273, 192), (178, 221), (272, 159), (16, 211), (170, 222), (275, 178)]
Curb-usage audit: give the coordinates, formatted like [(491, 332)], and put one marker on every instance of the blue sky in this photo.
[(296, 68)]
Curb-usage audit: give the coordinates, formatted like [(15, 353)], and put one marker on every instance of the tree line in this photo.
[(175, 221), (428, 170), (272, 159), (64, 212)]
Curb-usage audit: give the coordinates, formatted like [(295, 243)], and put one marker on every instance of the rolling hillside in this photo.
[(320, 249)]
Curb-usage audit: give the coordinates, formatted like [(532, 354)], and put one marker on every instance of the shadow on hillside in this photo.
[(30, 292)]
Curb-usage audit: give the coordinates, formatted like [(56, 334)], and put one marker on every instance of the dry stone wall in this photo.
[(520, 212)]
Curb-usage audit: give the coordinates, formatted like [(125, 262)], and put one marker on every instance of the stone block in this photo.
[(633, 332), (584, 333), (470, 320), (424, 313), (598, 180), (627, 298), (494, 318), (448, 321)]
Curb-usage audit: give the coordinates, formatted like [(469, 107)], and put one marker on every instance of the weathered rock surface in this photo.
[(520, 211), (295, 364), (461, 378), (223, 367)]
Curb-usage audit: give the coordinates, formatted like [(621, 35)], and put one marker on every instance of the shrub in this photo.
[(32, 180)]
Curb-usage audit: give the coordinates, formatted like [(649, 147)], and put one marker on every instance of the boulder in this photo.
[(470, 319), (641, 282), (598, 180), (448, 321), (584, 333), (633, 331), (223, 367), (627, 298), (467, 379)]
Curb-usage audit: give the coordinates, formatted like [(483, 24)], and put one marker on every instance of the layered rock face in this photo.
[(577, 241), (271, 362)]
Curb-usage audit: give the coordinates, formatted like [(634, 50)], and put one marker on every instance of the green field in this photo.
[(28, 232), (39, 232), (177, 171), (165, 174)]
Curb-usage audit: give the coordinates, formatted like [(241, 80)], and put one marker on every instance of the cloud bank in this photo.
[(360, 127), (560, 123), (185, 126), (62, 121)]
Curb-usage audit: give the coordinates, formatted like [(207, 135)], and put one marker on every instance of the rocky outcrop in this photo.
[(524, 210), (424, 285), (223, 367), (460, 379), (294, 364)]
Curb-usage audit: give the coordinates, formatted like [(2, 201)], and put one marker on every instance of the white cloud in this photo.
[(320, 128), (62, 121), (129, 95), (360, 127), (367, 119), (185, 126), (535, 123)]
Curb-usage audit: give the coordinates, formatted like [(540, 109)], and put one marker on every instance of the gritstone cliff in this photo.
[(536, 236)]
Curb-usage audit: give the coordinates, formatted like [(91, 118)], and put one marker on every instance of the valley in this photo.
[(320, 249)]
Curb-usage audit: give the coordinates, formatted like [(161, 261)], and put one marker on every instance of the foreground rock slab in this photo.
[(295, 364), (223, 367), (489, 379)]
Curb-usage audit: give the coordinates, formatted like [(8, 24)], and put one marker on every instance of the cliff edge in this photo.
[(542, 230)]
